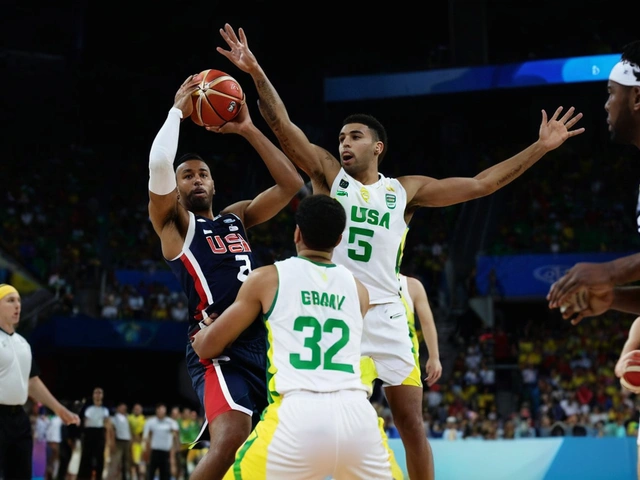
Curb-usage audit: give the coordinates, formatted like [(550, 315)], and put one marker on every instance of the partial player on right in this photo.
[(379, 210), (607, 282)]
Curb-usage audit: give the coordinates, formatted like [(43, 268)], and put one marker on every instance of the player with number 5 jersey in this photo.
[(374, 205), (319, 422), (211, 257)]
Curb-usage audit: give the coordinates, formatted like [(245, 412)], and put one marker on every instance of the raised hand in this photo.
[(239, 53), (182, 99), (554, 132)]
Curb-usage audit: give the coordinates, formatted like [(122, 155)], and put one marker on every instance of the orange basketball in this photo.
[(217, 100), (631, 376)]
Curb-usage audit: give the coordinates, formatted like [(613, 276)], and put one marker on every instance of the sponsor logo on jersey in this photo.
[(390, 188), (342, 193), (343, 183), (233, 228), (365, 194), (207, 232), (390, 198), (229, 220)]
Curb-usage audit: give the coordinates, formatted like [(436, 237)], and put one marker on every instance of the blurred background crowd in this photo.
[(74, 222)]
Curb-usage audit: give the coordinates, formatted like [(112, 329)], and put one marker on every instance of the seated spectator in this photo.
[(179, 312)]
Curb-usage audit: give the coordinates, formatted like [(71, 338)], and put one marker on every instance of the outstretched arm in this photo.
[(319, 164), (259, 289), (429, 192), (606, 274), (423, 311), (288, 181), (601, 299)]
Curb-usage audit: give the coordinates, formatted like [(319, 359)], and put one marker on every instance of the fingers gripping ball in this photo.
[(579, 301), (631, 376), (217, 100)]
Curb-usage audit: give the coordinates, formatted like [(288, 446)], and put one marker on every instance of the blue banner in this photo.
[(594, 68), (529, 275)]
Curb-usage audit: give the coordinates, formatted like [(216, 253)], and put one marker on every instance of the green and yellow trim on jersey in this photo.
[(251, 458), (272, 392)]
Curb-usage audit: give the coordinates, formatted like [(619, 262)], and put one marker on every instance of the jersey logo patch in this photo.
[(343, 183), (390, 198), (365, 194), (229, 220)]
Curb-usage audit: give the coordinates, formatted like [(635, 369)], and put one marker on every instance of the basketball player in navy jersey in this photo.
[(211, 257), (608, 282)]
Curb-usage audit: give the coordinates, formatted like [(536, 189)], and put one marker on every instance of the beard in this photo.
[(623, 131), (198, 204)]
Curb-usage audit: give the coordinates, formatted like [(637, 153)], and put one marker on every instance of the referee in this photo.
[(19, 380)]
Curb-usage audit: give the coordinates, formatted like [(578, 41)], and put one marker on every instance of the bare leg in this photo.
[(405, 402), (228, 432)]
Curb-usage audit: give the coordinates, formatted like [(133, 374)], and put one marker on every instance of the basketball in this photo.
[(217, 100), (631, 376)]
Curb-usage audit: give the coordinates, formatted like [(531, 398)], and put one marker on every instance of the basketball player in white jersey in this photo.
[(379, 210), (417, 304), (319, 422)]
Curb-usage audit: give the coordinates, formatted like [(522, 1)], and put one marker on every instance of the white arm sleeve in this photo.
[(162, 178)]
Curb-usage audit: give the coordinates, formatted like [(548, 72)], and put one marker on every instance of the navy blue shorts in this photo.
[(237, 380)]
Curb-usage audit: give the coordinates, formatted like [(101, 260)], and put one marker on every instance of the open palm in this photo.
[(238, 53), (554, 132)]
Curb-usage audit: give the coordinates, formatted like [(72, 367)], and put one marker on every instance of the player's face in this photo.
[(357, 148), (195, 185), (98, 394), (10, 308), (161, 411), (619, 108)]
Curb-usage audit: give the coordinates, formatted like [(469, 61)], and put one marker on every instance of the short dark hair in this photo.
[(321, 220), (631, 52), (189, 156), (374, 124)]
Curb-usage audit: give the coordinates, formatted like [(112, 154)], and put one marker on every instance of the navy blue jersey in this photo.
[(215, 260)]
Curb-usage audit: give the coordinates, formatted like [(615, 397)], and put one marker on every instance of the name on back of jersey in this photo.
[(323, 299)]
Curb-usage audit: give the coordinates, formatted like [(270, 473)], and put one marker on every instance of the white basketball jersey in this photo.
[(371, 245), (314, 329)]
